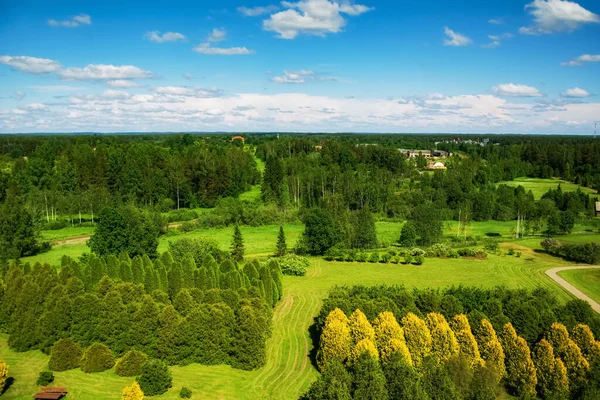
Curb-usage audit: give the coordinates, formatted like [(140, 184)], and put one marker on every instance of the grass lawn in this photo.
[(540, 186), (288, 371), (252, 194), (586, 280), (68, 232)]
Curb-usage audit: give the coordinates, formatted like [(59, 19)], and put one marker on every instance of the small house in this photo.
[(598, 209)]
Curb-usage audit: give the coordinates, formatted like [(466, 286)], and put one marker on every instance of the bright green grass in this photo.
[(251, 195), (288, 371), (586, 280), (68, 232), (540, 186)]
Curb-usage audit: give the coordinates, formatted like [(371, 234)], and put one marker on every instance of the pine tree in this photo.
[(443, 341), (335, 341), (552, 378), (466, 340), (281, 245), (584, 338), (360, 327), (389, 337), (155, 378), (237, 245), (520, 372), (369, 381), (3, 374), (490, 348), (133, 392), (418, 338)]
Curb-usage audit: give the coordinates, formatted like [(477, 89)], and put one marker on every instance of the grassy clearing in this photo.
[(540, 186), (251, 195), (586, 280), (68, 232)]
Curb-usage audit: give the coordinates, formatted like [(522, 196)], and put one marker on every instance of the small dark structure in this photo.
[(51, 393), (598, 209)]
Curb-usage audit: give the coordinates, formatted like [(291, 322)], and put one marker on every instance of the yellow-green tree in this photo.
[(558, 336), (570, 354), (466, 340), (443, 341), (365, 345), (335, 339), (490, 348), (584, 338), (550, 371), (520, 371), (389, 337), (418, 338), (3, 374), (360, 327), (133, 392)]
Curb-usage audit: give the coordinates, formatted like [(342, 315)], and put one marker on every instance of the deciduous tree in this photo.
[(335, 341), (466, 340), (490, 348), (520, 372)]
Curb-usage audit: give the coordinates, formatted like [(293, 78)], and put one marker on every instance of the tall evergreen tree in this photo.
[(237, 245), (272, 180), (408, 235), (364, 233), (369, 381), (281, 245)]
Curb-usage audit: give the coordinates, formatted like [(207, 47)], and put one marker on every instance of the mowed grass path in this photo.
[(586, 280), (540, 186), (288, 371)]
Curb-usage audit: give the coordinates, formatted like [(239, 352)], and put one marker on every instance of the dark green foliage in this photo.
[(185, 393), (408, 235), (155, 378), (18, 231), (272, 180), (403, 382), (428, 224), (65, 355), (437, 381), (364, 234), (320, 232), (368, 379), (335, 383), (45, 378), (237, 245), (131, 363), (281, 244), (97, 358)]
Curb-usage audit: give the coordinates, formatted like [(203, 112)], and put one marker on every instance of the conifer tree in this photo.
[(360, 327), (133, 392), (281, 244), (403, 381), (369, 381), (490, 348), (466, 340), (443, 341), (65, 355), (3, 374), (584, 338), (364, 346), (237, 245), (552, 378), (365, 235), (277, 276), (137, 269), (570, 354), (418, 338), (389, 337), (335, 341), (334, 383), (408, 235), (520, 371)]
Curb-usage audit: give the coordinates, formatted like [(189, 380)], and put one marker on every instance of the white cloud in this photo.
[(217, 35), (455, 39), (311, 17), (31, 65), (496, 21), (576, 92), (81, 19), (557, 16), (205, 48), (186, 91), (19, 95), (115, 94), (302, 76), (104, 71), (188, 76), (121, 83), (257, 11), (36, 106), (582, 59), (55, 88), (516, 90), (156, 37), (496, 39)]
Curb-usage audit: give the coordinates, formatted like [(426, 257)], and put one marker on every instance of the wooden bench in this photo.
[(50, 393)]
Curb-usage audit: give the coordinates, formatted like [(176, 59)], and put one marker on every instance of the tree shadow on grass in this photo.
[(314, 337), (7, 384)]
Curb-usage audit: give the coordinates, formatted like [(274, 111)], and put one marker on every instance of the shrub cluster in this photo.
[(181, 215), (292, 264), (45, 378), (131, 363), (588, 253)]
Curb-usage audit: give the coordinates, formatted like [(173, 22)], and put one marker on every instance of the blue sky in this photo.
[(310, 65)]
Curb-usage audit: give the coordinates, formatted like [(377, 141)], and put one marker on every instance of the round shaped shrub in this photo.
[(408, 258), (96, 358), (155, 378), (374, 257), (65, 355), (419, 260), (45, 378), (185, 393), (292, 264), (131, 363)]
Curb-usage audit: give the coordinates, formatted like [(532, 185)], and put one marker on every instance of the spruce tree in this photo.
[(281, 245), (155, 378), (408, 235), (403, 381), (237, 245), (364, 235), (334, 383)]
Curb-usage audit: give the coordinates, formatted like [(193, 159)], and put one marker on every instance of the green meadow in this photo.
[(540, 186), (586, 280)]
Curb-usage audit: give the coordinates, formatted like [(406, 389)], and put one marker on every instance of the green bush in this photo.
[(185, 393), (45, 378), (361, 257), (131, 363), (385, 258), (396, 260), (374, 257), (332, 253), (65, 355), (188, 226), (183, 214), (453, 254), (155, 378), (351, 255), (439, 250), (511, 252), (417, 252), (419, 260), (291, 264), (97, 358), (408, 258), (340, 256)]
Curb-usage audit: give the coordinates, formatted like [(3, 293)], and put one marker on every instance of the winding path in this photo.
[(553, 273)]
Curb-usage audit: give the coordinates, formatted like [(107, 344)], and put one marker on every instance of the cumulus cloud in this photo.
[(455, 39), (104, 71), (576, 92), (156, 37), (301, 76), (557, 16), (31, 65), (186, 91), (516, 90), (36, 106), (257, 11), (582, 59), (495, 40), (311, 17), (115, 94), (217, 35), (206, 48), (81, 19), (121, 83), (496, 21)]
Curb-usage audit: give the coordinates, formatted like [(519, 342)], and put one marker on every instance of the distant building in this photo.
[(425, 153), (598, 209), (435, 165)]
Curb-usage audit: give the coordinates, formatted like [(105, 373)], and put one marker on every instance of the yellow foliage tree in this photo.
[(362, 346), (520, 371), (490, 348), (570, 354), (558, 336), (584, 338), (133, 392), (466, 340), (418, 338), (335, 339), (389, 336), (550, 371), (397, 346), (360, 327), (443, 341), (3, 374)]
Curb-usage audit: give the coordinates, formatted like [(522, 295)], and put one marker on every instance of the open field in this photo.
[(68, 232), (540, 186), (288, 371), (586, 280)]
